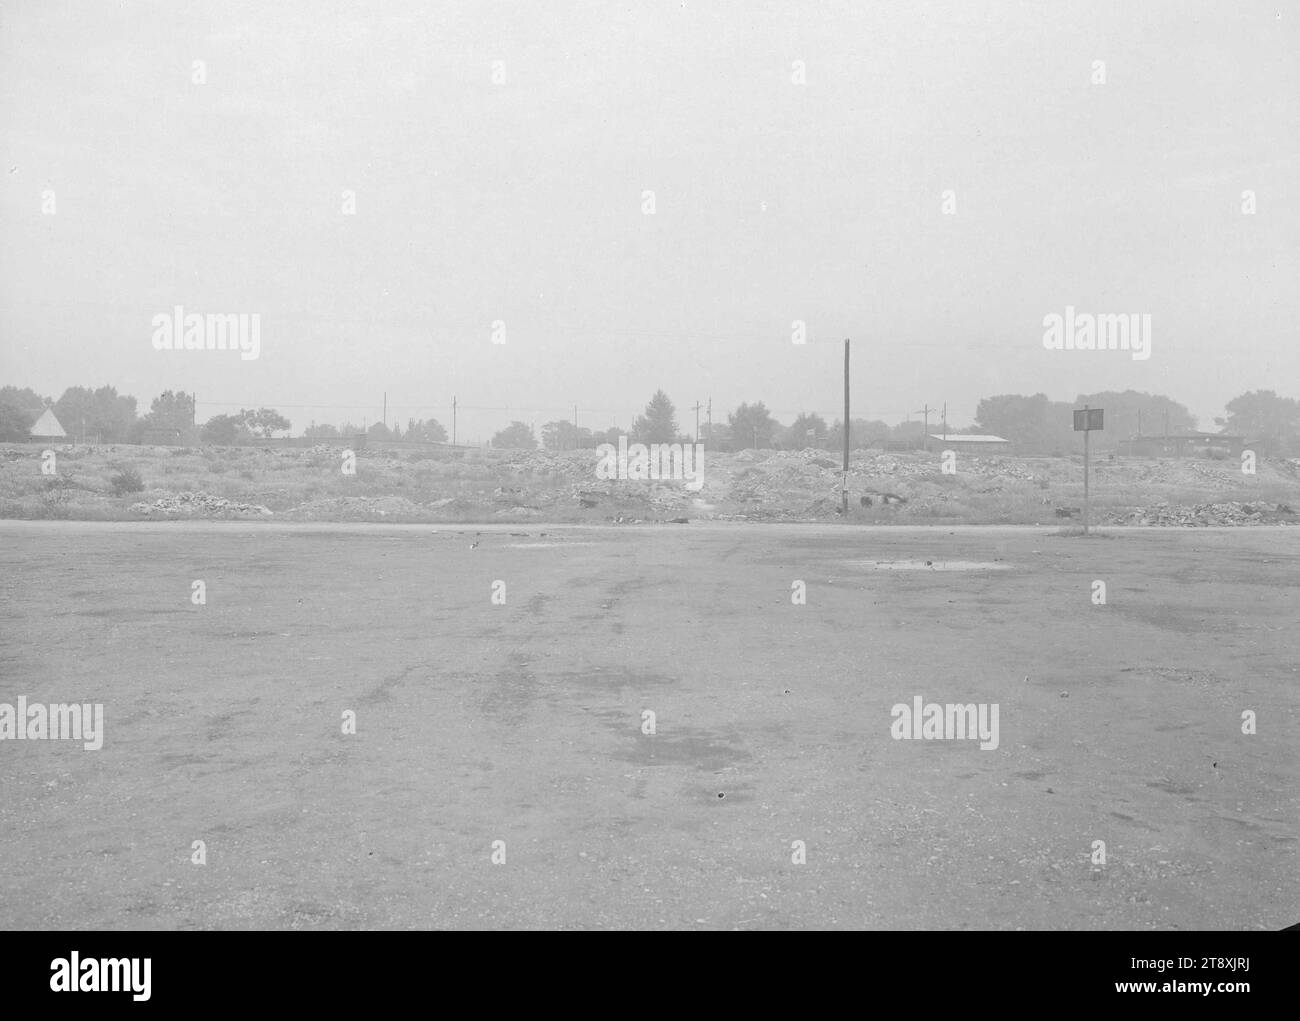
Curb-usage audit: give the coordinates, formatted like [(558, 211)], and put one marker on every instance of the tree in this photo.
[(717, 436), (1034, 424), (264, 422), (99, 413), (172, 410), (864, 433), (610, 436), (19, 410), (430, 431), (517, 436), (224, 431), (561, 435), (15, 424), (324, 431), (752, 425), (805, 431), (908, 432), (658, 424), (1123, 411), (1263, 415)]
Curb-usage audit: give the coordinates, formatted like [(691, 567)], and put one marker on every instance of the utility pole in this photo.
[(844, 485), (453, 420), (710, 419), (1085, 473), (945, 421), (925, 436), (385, 409), (697, 420)]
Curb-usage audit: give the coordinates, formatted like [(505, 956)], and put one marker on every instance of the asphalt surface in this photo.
[(523, 723)]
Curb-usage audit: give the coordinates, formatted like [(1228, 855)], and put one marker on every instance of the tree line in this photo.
[(1034, 424), (103, 415)]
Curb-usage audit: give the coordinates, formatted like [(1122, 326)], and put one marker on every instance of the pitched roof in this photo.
[(47, 425), (968, 438)]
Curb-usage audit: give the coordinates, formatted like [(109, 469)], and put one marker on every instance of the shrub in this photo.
[(128, 480)]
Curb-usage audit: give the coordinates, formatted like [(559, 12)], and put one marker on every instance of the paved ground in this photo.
[(522, 723)]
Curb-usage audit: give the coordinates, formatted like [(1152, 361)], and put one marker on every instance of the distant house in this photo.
[(47, 427), (1192, 444), (970, 443)]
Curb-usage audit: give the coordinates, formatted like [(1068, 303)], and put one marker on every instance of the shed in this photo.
[(970, 443)]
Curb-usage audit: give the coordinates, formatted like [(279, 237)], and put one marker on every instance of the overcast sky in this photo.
[(523, 202)]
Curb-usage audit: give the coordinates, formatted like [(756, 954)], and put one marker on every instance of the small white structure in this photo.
[(47, 427), (970, 443)]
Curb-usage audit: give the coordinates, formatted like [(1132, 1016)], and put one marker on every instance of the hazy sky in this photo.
[(774, 202)]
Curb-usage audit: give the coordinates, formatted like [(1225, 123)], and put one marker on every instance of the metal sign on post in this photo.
[(1086, 421)]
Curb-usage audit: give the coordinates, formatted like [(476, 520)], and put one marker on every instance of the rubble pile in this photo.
[(1204, 514), (199, 505), (346, 508), (1216, 477), (770, 485)]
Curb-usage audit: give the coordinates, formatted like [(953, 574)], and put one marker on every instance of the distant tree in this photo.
[(561, 435), (865, 433), (426, 431), (1263, 415), (805, 431), (264, 422), (717, 437), (15, 424), (324, 431), (752, 425), (379, 431), (517, 436), (1034, 424), (904, 431), (101, 413), (224, 431), (172, 410), (19, 410), (1123, 410), (658, 424)]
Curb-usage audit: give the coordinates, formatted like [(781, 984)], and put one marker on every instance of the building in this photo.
[(970, 443), (47, 427), (1193, 444)]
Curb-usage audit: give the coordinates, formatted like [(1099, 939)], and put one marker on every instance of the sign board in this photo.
[(1087, 420)]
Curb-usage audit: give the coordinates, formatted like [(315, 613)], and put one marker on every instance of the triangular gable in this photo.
[(47, 425)]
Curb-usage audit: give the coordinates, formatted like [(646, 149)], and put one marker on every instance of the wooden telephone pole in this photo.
[(844, 485)]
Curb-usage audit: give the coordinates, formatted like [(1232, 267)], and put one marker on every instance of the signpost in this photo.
[(1086, 421), (844, 485)]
